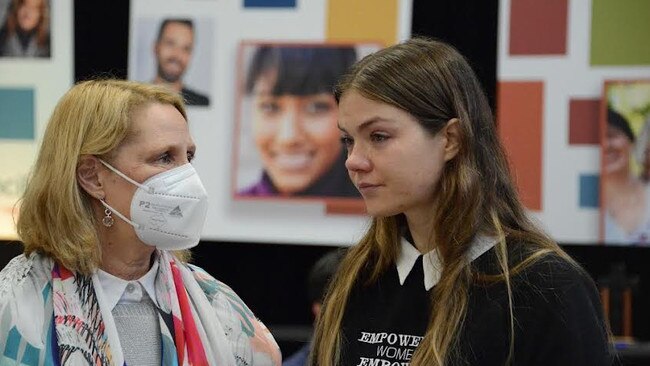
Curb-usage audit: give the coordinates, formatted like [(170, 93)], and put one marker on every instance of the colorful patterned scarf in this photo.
[(211, 326)]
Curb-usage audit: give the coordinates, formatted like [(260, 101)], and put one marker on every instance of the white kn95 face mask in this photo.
[(167, 210)]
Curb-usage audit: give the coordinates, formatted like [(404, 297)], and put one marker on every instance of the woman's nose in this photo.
[(288, 129), (357, 161)]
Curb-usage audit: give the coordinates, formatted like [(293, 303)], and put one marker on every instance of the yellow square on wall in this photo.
[(362, 20)]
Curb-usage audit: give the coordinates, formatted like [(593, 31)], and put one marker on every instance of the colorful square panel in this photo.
[(17, 114), (269, 3), (589, 191), (520, 124), (619, 32), (538, 27), (352, 21), (583, 121)]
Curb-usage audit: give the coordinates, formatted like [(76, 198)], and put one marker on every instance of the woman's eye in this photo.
[(165, 158), (347, 141), (190, 156), (378, 137), (269, 107), (319, 107)]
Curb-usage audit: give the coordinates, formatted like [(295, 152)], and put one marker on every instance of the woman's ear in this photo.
[(88, 177), (452, 135)]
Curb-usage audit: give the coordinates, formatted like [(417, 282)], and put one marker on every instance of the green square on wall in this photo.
[(17, 114), (620, 32)]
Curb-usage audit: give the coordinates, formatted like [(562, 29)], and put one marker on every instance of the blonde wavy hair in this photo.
[(434, 83), (56, 216)]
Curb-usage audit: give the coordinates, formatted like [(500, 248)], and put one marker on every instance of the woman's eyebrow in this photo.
[(367, 123)]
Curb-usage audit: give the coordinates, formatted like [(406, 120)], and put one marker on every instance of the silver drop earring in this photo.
[(108, 220)]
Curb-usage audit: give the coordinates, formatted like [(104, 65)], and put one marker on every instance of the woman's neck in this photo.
[(128, 261), (420, 226), (617, 183)]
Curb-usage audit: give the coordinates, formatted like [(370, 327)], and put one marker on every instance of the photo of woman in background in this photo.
[(626, 196), (294, 120), (26, 30), (625, 212)]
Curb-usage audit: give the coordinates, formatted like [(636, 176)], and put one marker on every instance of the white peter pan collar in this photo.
[(115, 288), (431, 262)]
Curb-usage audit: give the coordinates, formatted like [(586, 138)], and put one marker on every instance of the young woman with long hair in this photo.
[(451, 270)]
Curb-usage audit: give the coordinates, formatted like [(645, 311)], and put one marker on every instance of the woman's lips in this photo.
[(366, 188), (291, 162)]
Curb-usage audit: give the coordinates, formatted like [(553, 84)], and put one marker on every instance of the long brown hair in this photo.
[(434, 83), (42, 31)]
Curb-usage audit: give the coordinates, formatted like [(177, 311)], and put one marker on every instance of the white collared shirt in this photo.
[(431, 262), (117, 290)]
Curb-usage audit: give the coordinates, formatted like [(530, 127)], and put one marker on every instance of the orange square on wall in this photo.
[(520, 122)]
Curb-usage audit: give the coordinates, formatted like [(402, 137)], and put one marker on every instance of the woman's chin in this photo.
[(375, 209), (616, 168)]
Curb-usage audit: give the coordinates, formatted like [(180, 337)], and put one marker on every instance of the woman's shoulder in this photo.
[(554, 286), (540, 274), (558, 305), (554, 272), (212, 287), (238, 321), (24, 290), (23, 271), (13, 275), (558, 317), (229, 306)]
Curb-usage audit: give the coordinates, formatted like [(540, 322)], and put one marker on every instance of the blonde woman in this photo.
[(451, 270), (108, 214)]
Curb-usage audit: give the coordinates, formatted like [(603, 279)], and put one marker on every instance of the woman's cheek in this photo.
[(263, 127), (322, 127)]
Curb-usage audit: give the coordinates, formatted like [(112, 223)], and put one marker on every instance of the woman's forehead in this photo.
[(157, 121)]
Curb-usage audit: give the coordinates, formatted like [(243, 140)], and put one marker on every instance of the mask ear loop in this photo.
[(111, 209), (142, 186)]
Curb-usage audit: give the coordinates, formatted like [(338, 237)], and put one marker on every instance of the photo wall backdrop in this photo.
[(258, 75), (553, 61), (34, 74)]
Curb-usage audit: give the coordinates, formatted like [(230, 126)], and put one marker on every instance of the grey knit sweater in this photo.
[(139, 331)]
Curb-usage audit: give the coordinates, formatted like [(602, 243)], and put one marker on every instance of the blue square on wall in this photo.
[(589, 191), (17, 114), (269, 3)]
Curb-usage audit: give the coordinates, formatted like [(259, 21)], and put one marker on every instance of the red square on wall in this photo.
[(583, 121), (538, 27)]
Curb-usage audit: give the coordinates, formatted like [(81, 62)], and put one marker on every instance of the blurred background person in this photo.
[(173, 51), (107, 218), (26, 30), (626, 196), (643, 152), (294, 120), (317, 282)]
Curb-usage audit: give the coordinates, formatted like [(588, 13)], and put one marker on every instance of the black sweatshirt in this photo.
[(557, 311)]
